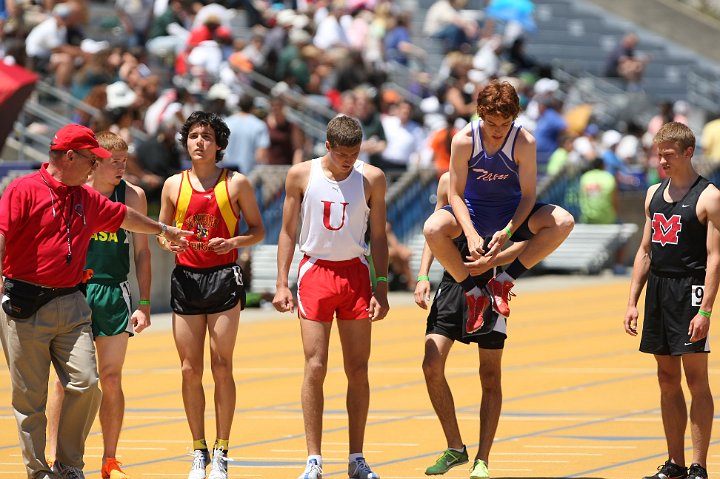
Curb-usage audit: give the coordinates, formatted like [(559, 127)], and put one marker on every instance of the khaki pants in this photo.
[(60, 333)]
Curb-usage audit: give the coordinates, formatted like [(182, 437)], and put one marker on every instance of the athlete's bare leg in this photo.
[(701, 404), (223, 328), (672, 406), (440, 230), (316, 340), (551, 225), (437, 348), (355, 337), (111, 352), (189, 332), (491, 404)]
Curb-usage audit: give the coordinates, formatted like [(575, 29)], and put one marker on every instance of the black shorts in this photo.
[(448, 315), (207, 290), (670, 304), (523, 233)]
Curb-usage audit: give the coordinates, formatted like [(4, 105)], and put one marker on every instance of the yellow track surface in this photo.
[(579, 400)]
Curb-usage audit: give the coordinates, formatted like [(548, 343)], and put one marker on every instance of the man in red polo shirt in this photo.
[(46, 221)]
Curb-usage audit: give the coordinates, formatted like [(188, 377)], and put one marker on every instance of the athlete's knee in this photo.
[(433, 368), (698, 384), (357, 371), (669, 381), (111, 380), (564, 221), (191, 371), (434, 227), (221, 367), (490, 378), (316, 368)]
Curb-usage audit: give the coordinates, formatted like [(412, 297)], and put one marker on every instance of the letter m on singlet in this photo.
[(665, 230)]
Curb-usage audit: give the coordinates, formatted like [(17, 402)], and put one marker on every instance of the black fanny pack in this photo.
[(23, 299)]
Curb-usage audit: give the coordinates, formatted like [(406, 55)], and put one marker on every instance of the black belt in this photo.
[(54, 292)]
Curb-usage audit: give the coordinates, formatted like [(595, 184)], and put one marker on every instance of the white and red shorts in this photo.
[(333, 288)]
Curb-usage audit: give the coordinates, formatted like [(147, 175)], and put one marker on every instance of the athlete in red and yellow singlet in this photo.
[(210, 215), (207, 290)]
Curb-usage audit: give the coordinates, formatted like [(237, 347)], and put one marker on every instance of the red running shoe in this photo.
[(500, 294), (476, 307)]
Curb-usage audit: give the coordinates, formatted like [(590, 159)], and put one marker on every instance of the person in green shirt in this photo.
[(599, 199)]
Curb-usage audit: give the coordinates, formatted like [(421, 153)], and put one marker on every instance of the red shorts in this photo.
[(339, 288)]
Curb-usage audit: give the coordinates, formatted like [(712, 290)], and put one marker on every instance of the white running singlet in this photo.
[(334, 215)]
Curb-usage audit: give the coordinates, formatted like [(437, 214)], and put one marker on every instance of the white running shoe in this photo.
[(312, 470), (218, 469), (201, 457)]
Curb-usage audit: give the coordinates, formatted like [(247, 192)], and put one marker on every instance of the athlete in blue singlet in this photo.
[(492, 198)]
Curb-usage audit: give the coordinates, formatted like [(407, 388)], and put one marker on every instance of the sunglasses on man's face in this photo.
[(92, 158)]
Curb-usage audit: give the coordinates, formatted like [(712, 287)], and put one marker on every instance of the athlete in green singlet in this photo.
[(108, 294)]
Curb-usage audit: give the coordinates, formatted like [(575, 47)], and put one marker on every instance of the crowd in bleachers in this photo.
[(276, 68)]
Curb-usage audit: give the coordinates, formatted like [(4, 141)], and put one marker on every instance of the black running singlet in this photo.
[(679, 239)]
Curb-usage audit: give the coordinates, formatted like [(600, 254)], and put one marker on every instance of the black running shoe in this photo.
[(696, 471), (669, 470)]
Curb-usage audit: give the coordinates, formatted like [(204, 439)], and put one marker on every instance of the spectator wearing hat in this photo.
[(587, 145), (46, 221), (614, 164), (249, 138), (277, 38), (97, 70), (121, 112)]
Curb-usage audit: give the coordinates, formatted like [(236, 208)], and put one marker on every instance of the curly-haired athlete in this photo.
[(207, 291)]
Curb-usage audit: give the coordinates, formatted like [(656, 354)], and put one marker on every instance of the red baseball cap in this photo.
[(78, 137)]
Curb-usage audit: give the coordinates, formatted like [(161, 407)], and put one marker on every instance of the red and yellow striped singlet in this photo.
[(209, 214)]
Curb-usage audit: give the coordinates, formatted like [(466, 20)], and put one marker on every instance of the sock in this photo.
[(200, 444), (462, 449), (515, 270), (503, 277), (469, 285), (221, 444), (316, 457), (354, 456)]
